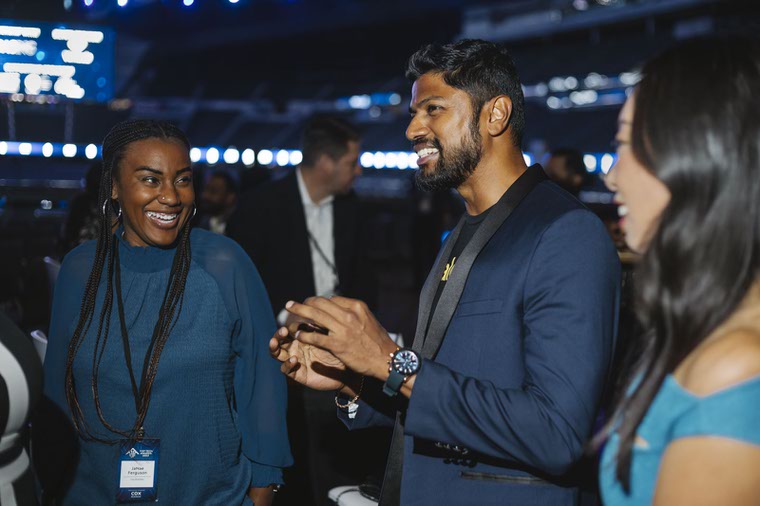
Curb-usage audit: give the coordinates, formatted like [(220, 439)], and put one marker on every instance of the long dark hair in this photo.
[(696, 126), (106, 251)]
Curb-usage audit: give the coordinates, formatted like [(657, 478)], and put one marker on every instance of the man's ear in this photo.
[(114, 190), (499, 111), (323, 163)]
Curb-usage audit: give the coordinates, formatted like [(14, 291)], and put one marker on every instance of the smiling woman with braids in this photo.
[(687, 431), (158, 347)]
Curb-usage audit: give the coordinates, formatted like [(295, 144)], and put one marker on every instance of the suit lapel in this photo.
[(344, 222), (301, 249), (452, 292), (431, 286)]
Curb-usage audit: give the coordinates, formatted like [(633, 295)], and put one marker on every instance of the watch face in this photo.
[(406, 362)]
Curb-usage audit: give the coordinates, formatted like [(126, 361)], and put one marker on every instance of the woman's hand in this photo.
[(261, 496)]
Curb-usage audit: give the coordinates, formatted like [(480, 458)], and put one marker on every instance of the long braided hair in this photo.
[(106, 255)]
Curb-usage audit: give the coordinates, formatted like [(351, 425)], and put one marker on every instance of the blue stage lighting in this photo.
[(88, 3), (188, 3), (122, 3)]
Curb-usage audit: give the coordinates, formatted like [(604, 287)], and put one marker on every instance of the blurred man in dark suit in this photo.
[(304, 232)]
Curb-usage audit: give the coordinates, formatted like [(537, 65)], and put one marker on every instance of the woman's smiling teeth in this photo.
[(162, 218)]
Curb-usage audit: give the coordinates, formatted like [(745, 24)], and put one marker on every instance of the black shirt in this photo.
[(471, 225)]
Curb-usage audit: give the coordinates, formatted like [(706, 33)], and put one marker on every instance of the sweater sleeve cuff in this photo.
[(263, 475)]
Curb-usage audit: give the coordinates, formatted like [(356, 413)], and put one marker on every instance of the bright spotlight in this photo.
[(91, 151), (571, 83), (231, 155), (33, 84), (590, 162), (367, 160), (265, 157), (528, 159), (403, 160), (69, 150), (391, 160), (195, 155), (122, 3), (234, 1), (283, 157), (25, 149), (212, 156), (379, 160), (607, 161), (553, 102), (187, 3), (3, 148), (296, 157), (47, 150), (88, 3), (248, 157)]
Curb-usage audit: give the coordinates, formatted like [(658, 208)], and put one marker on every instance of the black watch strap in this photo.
[(393, 383)]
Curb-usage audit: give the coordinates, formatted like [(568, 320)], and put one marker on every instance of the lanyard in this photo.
[(136, 392), (331, 265)]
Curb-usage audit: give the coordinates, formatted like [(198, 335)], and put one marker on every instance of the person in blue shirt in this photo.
[(687, 431), (158, 345)]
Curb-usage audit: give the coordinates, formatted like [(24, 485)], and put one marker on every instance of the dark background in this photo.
[(248, 74)]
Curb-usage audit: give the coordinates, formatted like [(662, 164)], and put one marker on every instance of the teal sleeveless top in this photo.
[(675, 413), (732, 412)]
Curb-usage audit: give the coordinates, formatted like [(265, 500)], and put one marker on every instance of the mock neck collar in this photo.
[(143, 258)]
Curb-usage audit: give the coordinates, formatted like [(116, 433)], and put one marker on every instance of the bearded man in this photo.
[(494, 399)]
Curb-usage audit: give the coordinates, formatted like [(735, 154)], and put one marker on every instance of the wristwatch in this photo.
[(404, 362)]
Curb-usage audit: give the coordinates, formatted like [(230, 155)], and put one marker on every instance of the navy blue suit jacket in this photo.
[(503, 410)]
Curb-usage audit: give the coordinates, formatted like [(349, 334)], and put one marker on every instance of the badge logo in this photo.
[(132, 453)]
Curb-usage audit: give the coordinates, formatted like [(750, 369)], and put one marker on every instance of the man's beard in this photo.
[(453, 170)]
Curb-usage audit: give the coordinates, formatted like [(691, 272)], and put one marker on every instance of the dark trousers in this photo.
[(326, 454)]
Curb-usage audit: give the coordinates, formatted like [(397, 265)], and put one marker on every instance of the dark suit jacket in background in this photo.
[(270, 225), (501, 412)]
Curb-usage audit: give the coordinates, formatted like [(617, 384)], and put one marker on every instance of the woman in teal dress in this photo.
[(158, 348), (687, 428)]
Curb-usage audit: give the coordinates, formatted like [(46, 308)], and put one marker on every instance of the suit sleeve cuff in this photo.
[(423, 403)]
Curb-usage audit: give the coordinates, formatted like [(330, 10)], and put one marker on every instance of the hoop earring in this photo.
[(118, 215), (195, 211)]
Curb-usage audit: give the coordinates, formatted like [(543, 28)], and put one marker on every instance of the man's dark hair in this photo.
[(327, 135), (229, 181), (482, 69)]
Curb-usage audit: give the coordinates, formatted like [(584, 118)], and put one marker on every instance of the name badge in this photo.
[(138, 468)]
